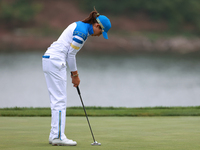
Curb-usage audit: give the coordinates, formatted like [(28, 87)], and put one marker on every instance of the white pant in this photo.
[(55, 74)]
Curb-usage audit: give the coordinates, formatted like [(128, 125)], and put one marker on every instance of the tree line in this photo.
[(177, 13)]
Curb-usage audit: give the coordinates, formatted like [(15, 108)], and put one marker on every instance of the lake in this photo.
[(136, 80)]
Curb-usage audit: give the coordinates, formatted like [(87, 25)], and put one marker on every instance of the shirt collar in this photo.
[(90, 29)]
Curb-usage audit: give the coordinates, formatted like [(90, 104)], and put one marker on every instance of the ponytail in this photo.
[(92, 17)]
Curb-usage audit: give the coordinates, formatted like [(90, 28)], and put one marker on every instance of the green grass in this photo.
[(115, 133), (106, 111)]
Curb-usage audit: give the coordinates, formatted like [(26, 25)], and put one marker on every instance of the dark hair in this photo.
[(92, 17)]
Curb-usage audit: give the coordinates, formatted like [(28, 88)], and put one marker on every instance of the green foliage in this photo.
[(18, 12), (176, 12)]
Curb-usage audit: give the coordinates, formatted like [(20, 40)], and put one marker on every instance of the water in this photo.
[(106, 80)]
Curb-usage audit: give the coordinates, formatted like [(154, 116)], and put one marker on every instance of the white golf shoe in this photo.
[(50, 140), (64, 142)]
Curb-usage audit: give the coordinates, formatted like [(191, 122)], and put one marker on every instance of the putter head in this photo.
[(96, 143)]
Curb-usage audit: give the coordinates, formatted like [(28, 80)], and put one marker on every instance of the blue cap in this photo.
[(105, 24)]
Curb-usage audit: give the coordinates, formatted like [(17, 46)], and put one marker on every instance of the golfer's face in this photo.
[(97, 30)]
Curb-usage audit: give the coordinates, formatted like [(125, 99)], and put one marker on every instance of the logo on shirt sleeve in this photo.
[(80, 34)]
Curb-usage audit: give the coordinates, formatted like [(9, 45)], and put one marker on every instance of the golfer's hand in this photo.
[(75, 79)]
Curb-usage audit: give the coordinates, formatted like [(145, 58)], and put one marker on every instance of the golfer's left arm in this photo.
[(75, 46)]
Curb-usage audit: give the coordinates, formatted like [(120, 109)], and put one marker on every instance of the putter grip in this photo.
[(77, 88)]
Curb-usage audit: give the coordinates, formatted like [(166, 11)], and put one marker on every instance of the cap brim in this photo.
[(105, 35)]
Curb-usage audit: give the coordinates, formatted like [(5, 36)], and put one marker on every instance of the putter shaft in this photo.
[(86, 114)]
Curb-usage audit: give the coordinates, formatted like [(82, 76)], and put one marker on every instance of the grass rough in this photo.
[(105, 111)]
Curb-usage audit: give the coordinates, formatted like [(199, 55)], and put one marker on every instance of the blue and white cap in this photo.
[(105, 24)]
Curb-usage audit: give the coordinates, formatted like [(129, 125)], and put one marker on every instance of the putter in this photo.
[(95, 142)]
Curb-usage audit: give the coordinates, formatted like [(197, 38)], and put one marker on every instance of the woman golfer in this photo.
[(54, 62)]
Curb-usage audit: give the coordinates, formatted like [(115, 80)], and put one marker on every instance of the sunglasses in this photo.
[(100, 27)]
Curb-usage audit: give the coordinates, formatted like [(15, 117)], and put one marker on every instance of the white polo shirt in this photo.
[(70, 42)]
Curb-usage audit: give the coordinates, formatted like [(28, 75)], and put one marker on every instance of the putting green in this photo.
[(115, 133)]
